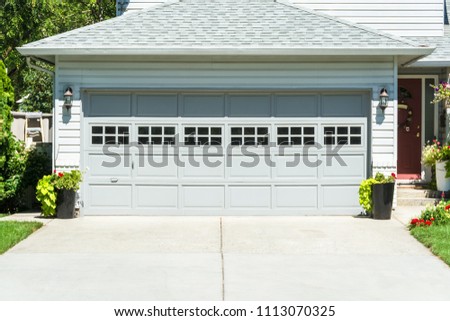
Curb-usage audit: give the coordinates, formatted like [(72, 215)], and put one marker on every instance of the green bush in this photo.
[(12, 152)]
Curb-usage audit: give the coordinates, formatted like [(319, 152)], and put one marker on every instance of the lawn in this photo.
[(437, 238), (12, 232), (3, 215)]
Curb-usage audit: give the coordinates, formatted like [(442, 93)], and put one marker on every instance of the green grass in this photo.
[(437, 238), (3, 215), (12, 232)]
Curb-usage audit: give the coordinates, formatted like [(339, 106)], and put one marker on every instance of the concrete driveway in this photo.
[(229, 258)]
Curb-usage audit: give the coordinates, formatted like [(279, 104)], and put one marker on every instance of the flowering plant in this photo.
[(438, 214), (49, 185), (431, 153), (441, 92)]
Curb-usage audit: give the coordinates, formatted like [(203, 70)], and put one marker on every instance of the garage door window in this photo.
[(250, 135), (202, 135), (295, 135), (342, 135), (156, 135), (110, 134)]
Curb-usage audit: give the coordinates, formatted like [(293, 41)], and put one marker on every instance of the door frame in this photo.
[(422, 121)]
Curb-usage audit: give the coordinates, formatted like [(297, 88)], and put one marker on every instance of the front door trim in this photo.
[(436, 111)]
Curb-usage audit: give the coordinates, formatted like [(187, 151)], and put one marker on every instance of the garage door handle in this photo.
[(114, 180)]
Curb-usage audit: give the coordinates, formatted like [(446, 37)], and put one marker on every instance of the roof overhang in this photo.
[(406, 55), (432, 64)]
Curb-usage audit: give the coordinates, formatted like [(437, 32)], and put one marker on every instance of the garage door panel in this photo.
[(110, 196), (296, 105), (213, 167), (344, 105), (156, 196), (296, 166), (249, 106), (203, 196), (203, 106), (156, 166), (246, 166), (340, 196), (351, 166), (112, 165), (250, 196), (296, 196), (163, 105), (110, 104)]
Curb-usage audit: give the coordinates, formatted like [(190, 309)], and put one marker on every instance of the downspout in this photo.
[(52, 74)]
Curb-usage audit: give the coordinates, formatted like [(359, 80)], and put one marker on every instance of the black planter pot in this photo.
[(382, 197), (65, 204)]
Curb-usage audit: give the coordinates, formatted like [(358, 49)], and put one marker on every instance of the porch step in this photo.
[(416, 195)]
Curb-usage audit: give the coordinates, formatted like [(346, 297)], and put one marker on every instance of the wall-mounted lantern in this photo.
[(384, 99), (68, 97)]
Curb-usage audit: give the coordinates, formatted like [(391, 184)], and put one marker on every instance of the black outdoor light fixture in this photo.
[(384, 99), (68, 97)]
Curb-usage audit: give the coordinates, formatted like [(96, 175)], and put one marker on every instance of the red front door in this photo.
[(409, 128)]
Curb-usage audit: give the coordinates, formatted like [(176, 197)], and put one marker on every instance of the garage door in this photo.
[(224, 153)]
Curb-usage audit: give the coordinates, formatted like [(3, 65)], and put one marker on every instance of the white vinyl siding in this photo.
[(315, 76), (412, 18)]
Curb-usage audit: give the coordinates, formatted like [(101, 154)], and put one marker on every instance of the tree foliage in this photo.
[(25, 21), (12, 152)]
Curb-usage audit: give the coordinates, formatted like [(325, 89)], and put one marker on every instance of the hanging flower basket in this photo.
[(442, 93)]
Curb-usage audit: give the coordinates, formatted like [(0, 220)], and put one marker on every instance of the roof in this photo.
[(246, 27)]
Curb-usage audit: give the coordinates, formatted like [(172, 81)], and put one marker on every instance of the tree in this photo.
[(24, 21), (12, 152)]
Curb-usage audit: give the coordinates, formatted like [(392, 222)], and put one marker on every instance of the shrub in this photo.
[(12, 152)]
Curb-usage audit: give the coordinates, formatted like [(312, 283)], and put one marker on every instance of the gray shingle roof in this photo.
[(204, 25)]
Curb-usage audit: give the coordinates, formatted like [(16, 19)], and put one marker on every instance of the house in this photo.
[(232, 107)]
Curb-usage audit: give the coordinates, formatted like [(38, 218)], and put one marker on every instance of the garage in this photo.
[(223, 152)]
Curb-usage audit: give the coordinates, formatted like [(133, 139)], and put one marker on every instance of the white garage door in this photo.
[(224, 153)]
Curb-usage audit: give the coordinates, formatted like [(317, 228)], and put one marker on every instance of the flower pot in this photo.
[(442, 183), (427, 174), (65, 204), (382, 197)]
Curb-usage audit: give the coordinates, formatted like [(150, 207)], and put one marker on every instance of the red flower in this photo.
[(414, 221), (428, 223), (432, 219), (438, 143), (434, 140), (54, 171), (60, 174), (421, 221), (394, 176), (447, 207)]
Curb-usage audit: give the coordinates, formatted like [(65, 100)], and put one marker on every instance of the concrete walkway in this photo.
[(229, 258)]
